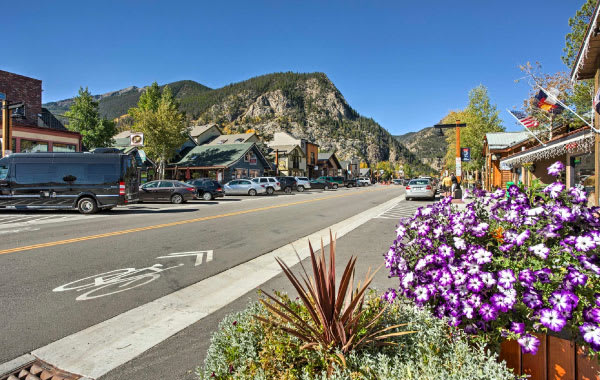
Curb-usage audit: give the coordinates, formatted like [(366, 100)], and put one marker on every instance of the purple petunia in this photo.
[(554, 189), (552, 319), (584, 243), (563, 301), (577, 278), (529, 344), (482, 256), (422, 293), (532, 299), (590, 333), (475, 284), (526, 277), (517, 327), (390, 295), (540, 250), (556, 168), (401, 231), (480, 229), (445, 251), (488, 312), (506, 278), (591, 314)]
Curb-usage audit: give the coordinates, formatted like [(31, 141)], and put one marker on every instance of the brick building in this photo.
[(34, 128)]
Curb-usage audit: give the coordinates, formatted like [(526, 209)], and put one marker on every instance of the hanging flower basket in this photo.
[(511, 267)]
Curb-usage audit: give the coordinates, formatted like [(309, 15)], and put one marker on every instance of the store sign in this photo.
[(136, 139), (504, 166), (458, 167), (465, 154)]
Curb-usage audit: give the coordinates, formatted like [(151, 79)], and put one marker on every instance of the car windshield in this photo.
[(419, 182), (255, 180)]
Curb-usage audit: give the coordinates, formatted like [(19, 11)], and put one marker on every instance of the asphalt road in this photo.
[(44, 254), (177, 357)]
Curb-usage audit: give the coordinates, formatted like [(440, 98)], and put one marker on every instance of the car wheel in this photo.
[(207, 196), (252, 192), (300, 189), (325, 187), (287, 190), (176, 199), (408, 198), (87, 206), (270, 190), (335, 187)]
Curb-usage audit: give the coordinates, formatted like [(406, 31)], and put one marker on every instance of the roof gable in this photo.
[(224, 155)]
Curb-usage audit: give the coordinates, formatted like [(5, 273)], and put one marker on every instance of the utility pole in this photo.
[(458, 125)]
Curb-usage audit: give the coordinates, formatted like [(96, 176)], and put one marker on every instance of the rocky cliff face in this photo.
[(427, 145), (308, 106)]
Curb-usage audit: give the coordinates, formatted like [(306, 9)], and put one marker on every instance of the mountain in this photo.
[(115, 104), (427, 145), (306, 105)]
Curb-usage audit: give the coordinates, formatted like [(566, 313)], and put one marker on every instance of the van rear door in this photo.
[(131, 179)]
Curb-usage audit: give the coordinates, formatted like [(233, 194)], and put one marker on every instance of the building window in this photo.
[(254, 173), (583, 172), (240, 173), (13, 145), (60, 148), (28, 146), (312, 158)]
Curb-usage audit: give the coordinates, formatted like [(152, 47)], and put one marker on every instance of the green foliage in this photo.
[(244, 348), (481, 117), (164, 128), (85, 119), (578, 24), (335, 322)]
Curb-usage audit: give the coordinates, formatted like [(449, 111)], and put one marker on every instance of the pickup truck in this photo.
[(339, 181)]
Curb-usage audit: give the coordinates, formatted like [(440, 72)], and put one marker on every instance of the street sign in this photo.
[(136, 139), (458, 167), (2, 96), (465, 154)]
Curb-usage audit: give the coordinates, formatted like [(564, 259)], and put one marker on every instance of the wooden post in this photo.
[(596, 201), (6, 135)]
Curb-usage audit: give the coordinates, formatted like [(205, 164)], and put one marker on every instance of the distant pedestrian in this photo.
[(447, 184), (454, 183)]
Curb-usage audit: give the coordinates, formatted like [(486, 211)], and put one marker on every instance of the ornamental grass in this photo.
[(510, 264)]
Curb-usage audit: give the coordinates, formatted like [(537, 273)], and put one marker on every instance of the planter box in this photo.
[(556, 359)]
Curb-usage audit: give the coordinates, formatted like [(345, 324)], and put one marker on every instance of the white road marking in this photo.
[(29, 220), (199, 255), (98, 349)]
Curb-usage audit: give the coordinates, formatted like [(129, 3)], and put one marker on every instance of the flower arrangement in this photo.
[(510, 264)]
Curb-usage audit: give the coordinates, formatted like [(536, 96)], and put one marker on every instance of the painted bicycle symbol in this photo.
[(115, 281)]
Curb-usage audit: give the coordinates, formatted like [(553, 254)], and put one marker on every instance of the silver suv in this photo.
[(270, 183), (303, 183)]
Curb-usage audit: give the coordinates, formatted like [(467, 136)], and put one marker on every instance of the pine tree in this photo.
[(84, 118)]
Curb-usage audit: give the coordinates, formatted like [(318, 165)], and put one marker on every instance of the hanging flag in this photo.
[(597, 101), (548, 101), (527, 121)]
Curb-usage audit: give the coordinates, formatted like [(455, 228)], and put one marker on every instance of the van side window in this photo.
[(34, 173), (3, 171)]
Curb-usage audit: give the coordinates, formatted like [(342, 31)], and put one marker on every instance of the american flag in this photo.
[(527, 121)]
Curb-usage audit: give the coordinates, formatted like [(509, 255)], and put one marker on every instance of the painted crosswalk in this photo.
[(13, 223), (403, 209)]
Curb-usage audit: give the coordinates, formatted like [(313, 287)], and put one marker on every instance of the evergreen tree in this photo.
[(162, 124), (85, 119)]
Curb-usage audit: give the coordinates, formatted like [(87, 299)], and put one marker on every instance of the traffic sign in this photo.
[(2, 96)]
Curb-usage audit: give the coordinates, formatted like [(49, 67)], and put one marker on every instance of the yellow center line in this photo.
[(181, 222)]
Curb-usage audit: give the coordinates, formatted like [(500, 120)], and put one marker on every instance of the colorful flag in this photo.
[(548, 102), (527, 121)]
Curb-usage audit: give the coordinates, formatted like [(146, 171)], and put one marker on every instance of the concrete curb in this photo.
[(13, 365)]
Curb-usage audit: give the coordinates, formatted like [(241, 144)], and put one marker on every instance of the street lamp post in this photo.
[(458, 125)]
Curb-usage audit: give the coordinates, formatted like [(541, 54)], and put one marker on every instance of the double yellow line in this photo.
[(178, 223)]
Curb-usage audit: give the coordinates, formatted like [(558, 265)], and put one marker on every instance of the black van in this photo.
[(83, 181)]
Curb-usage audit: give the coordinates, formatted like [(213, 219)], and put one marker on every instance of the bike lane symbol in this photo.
[(198, 254), (115, 281)]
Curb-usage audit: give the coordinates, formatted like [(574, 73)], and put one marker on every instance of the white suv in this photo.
[(303, 183), (270, 183), (364, 181)]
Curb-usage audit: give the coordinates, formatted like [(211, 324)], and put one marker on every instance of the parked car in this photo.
[(87, 182), (398, 182), (364, 181), (335, 183), (207, 188), (321, 183), (271, 183), (420, 188), (244, 187), (303, 183), (288, 184), (167, 190)]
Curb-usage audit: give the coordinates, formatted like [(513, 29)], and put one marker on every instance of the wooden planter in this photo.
[(556, 359)]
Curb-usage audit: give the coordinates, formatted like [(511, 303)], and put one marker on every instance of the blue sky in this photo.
[(405, 64)]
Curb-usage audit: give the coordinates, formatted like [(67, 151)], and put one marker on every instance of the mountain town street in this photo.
[(166, 248)]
